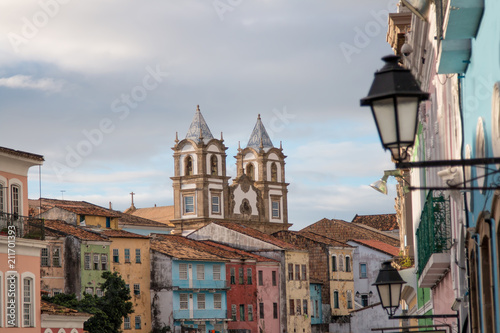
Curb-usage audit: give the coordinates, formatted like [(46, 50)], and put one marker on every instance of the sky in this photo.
[(100, 88)]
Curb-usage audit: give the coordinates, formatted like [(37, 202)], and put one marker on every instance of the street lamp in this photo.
[(394, 99), (389, 284)]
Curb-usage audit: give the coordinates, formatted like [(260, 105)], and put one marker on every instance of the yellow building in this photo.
[(298, 298), (341, 281), (130, 257)]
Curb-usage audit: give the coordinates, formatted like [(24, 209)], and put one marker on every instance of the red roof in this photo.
[(382, 222), (77, 207), (231, 252), (116, 233), (182, 248), (381, 246), (63, 228)]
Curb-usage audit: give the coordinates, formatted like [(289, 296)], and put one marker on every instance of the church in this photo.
[(256, 198)]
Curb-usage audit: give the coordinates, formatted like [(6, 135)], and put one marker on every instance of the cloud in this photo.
[(28, 82)]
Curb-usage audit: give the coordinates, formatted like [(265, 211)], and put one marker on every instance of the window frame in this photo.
[(261, 310), (304, 272), (188, 208), (138, 258), (15, 198), (86, 261), (116, 255), (126, 323), (249, 275), (95, 263), (274, 278), (137, 322), (217, 301), (275, 207), (104, 262), (200, 272), (28, 302), (126, 256), (216, 272), (363, 275), (348, 263), (201, 301), (250, 312), (334, 263), (242, 312), (183, 271), (137, 289), (45, 257), (290, 272), (183, 302)]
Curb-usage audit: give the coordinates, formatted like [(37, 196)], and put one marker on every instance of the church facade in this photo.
[(257, 197)]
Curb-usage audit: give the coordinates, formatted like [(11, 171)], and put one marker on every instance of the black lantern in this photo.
[(389, 284), (394, 98)]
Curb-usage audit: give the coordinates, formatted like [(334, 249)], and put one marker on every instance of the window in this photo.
[(116, 257), (214, 165), (275, 310), (364, 300), (349, 299), (273, 275), (201, 301), (217, 301), (56, 257), (200, 272), (183, 301), (2, 197), (233, 312), (104, 262), (183, 271), (242, 312), (304, 305), (334, 263), (336, 299), (250, 312), (249, 276), (44, 257), (250, 171), (96, 262), (28, 302), (127, 255), (89, 290), (290, 271), (137, 322), (15, 200), (292, 307), (261, 278), (261, 310), (362, 271), (137, 289), (274, 172), (215, 204), (316, 309), (347, 264), (304, 272), (188, 162), (297, 272), (299, 308), (98, 292), (341, 264), (126, 323), (56, 292), (188, 204), (240, 275), (137, 256), (216, 271), (87, 261), (233, 277), (275, 209)]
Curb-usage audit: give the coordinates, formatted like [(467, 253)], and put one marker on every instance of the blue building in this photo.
[(188, 286), (316, 313)]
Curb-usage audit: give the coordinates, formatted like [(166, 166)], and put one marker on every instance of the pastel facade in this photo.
[(52, 264), (58, 319)]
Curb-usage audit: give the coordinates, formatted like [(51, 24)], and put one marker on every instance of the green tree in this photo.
[(108, 311)]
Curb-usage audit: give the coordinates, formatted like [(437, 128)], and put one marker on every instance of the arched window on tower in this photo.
[(250, 171), (214, 165), (274, 172), (188, 163)]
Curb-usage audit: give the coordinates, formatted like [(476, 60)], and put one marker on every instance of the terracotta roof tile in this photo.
[(382, 222), (182, 248), (257, 234), (21, 153), (63, 228), (378, 245), (114, 233), (54, 309), (77, 207), (233, 253), (162, 214), (130, 219), (343, 231)]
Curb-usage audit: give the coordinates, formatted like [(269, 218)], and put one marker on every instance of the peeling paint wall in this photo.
[(52, 276), (72, 272), (161, 291)]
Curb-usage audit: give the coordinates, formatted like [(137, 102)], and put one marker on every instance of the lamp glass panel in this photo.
[(407, 118), (395, 294), (385, 116), (383, 291)]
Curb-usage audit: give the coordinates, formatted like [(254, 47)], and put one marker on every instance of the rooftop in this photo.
[(38, 206), (182, 248), (54, 309), (116, 233), (199, 128), (162, 214), (233, 253), (259, 137), (380, 246), (382, 222), (61, 228), (131, 219), (20, 153)]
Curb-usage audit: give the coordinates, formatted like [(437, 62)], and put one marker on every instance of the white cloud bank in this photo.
[(28, 82)]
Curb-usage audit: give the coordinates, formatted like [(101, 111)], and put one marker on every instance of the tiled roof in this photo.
[(54, 309), (162, 214), (382, 222), (182, 248), (63, 228), (380, 246), (114, 233), (199, 127), (257, 234), (259, 136), (77, 207), (343, 231), (130, 219), (311, 236), (233, 253), (20, 153)]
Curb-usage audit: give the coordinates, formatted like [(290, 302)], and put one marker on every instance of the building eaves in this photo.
[(382, 222), (22, 154), (116, 233), (64, 229), (233, 253), (379, 246), (182, 248)]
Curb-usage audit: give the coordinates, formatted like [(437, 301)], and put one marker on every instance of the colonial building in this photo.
[(258, 195)]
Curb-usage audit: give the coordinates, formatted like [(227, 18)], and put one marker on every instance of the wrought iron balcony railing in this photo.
[(434, 231), (23, 226)]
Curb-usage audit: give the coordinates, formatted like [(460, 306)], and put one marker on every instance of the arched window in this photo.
[(341, 263), (274, 172), (250, 171), (214, 165), (28, 302), (347, 263), (188, 163), (2, 197), (16, 200), (336, 299), (349, 299)]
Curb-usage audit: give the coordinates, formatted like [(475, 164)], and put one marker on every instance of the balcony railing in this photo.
[(200, 284), (434, 230), (200, 314), (23, 226)]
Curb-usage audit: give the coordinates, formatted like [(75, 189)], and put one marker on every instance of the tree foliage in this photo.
[(108, 311)]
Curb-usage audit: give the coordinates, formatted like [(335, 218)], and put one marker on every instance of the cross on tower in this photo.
[(132, 194)]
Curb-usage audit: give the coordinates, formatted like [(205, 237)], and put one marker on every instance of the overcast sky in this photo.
[(99, 88)]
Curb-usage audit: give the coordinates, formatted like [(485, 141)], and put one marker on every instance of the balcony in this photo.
[(200, 284), (23, 226), (433, 240), (199, 314)]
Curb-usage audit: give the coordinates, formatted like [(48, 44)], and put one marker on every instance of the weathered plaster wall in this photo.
[(161, 290)]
